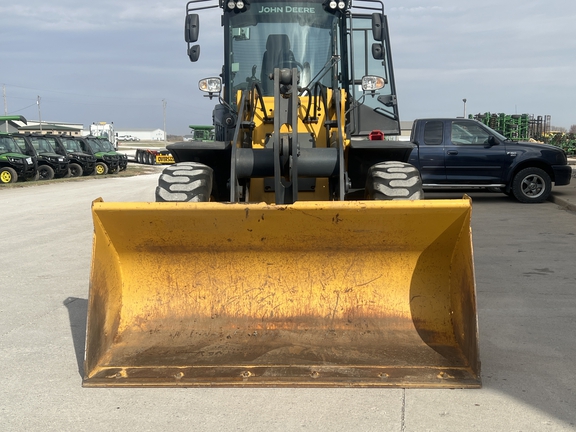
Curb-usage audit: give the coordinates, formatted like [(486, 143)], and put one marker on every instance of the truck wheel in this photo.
[(100, 168), (8, 175), (393, 181), (45, 172), (185, 182), (531, 185), (68, 173), (75, 170)]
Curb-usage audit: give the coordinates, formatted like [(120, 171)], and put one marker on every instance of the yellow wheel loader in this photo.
[(296, 248)]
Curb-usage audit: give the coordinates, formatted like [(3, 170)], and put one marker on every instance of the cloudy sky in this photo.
[(115, 61)]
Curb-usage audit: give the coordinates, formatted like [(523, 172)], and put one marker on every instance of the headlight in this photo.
[(15, 160), (372, 83), (210, 85)]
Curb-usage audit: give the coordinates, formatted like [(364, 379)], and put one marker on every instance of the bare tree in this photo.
[(573, 129)]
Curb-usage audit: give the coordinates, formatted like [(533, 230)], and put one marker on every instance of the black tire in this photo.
[(532, 185), (75, 170), (394, 181), (8, 175), (100, 169), (45, 172), (68, 173), (113, 170), (185, 182)]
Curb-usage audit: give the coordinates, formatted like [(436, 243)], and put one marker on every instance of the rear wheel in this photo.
[(45, 172), (393, 181), (532, 185), (100, 168), (185, 182), (8, 175), (75, 170)]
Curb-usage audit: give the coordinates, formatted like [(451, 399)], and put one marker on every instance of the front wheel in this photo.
[(100, 169), (45, 172), (185, 182), (8, 175), (532, 185), (394, 181), (75, 170)]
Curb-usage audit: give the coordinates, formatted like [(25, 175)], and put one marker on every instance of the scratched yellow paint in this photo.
[(390, 281)]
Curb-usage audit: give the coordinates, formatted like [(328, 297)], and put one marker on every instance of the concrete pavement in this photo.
[(524, 257), (565, 196)]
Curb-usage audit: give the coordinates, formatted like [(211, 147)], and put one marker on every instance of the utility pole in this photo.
[(5, 104), (39, 113), (164, 115), (5, 101), (464, 100)]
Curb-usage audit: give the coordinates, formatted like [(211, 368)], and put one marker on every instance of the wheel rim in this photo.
[(533, 186), (42, 174), (6, 177), (99, 170)]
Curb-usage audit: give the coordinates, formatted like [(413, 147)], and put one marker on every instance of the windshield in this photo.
[(100, 145), (8, 145), (284, 35), (72, 145), (42, 145)]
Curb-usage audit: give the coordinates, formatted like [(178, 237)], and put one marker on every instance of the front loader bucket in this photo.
[(317, 294)]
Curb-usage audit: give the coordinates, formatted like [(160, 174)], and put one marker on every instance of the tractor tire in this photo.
[(531, 185), (45, 172), (185, 182), (393, 181), (100, 169), (75, 170), (8, 175)]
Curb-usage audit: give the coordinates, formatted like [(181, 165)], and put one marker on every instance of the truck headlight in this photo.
[(372, 83), (210, 85)]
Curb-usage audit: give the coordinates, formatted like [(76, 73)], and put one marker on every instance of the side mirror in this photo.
[(492, 141), (191, 28), (194, 53), (377, 51), (377, 33)]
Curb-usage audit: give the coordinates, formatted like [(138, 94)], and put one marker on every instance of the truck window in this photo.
[(434, 133), (467, 133)]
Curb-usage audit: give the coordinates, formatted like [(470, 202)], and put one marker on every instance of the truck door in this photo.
[(469, 156), (429, 156)]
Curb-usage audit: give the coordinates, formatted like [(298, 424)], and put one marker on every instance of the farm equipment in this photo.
[(294, 249), (50, 163), (14, 164), (81, 162), (153, 157), (108, 161)]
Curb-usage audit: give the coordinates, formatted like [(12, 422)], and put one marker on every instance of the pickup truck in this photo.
[(464, 153)]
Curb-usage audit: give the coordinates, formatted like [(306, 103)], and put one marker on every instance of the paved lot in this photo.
[(525, 257)]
